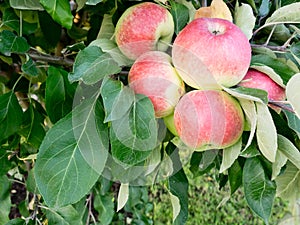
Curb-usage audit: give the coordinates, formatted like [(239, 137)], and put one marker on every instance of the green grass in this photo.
[(204, 199)]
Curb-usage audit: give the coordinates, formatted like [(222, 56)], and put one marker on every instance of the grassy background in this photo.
[(204, 198)]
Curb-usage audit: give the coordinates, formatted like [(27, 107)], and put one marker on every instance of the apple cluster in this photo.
[(207, 55)]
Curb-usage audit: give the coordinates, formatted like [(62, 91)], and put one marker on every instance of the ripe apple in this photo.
[(208, 119), (153, 75), (210, 52), (260, 80), (144, 27)]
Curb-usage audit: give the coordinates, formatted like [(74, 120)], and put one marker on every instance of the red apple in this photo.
[(210, 52), (260, 80), (144, 27), (153, 75), (208, 119)]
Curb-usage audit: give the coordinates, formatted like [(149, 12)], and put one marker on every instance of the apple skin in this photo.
[(144, 27), (260, 80), (210, 52), (208, 119), (153, 75), (170, 124)]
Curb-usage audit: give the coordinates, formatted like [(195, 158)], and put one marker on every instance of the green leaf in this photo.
[(134, 136), (202, 162), (93, 2), (266, 133), (110, 47), (29, 67), (10, 115), (105, 207), (230, 154), (91, 65), (26, 4), (11, 43), (286, 147), (252, 94), (278, 66), (59, 94), (293, 120), (117, 99), (72, 155), (180, 15), (17, 221), (251, 117), (280, 161), (178, 187), (286, 14), (244, 19), (60, 11), (4, 199), (292, 93), (264, 8), (64, 216), (235, 175), (259, 189), (107, 28)]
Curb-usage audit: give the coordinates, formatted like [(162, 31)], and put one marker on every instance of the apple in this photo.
[(170, 124), (211, 52), (260, 80), (208, 119), (153, 75), (144, 27)]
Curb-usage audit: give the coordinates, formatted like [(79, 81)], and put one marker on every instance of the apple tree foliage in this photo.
[(86, 146)]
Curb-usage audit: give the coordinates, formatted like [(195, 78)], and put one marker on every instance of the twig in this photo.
[(276, 48), (62, 61)]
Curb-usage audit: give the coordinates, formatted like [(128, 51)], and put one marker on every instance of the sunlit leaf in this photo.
[(91, 65), (230, 154), (64, 216), (123, 196), (244, 19), (60, 11), (293, 94), (93, 2), (259, 189), (266, 133), (252, 94), (107, 28), (286, 147), (26, 4), (288, 13), (4, 199), (217, 9)]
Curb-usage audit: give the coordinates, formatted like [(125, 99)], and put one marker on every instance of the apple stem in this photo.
[(203, 3)]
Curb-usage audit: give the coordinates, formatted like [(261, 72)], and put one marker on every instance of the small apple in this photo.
[(153, 75), (210, 52), (208, 119), (144, 27), (260, 80)]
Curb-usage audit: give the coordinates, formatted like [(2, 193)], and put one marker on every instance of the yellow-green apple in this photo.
[(169, 122), (210, 52), (260, 80), (208, 119), (153, 75), (144, 27)]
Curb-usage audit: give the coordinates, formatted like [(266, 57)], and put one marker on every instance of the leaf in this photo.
[(178, 187), (134, 136), (10, 115), (266, 133), (264, 8), (259, 189), (93, 2), (107, 28), (60, 11), (244, 19), (251, 116), (110, 47), (64, 216), (91, 65), (72, 155), (29, 67), (117, 99), (26, 4), (252, 94), (280, 161), (180, 15), (17, 221), (235, 176), (202, 162), (104, 204), (11, 43), (286, 147), (293, 120), (230, 154), (286, 14), (4, 199), (59, 94), (278, 66), (292, 93), (123, 196)]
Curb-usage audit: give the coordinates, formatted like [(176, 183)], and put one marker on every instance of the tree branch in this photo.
[(62, 61)]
